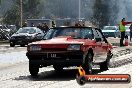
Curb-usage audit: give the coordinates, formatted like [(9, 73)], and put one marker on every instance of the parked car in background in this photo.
[(70, 46), (111, 31), (26, 35), (5, 28), (127, 31), (12, 28), (4, 32)]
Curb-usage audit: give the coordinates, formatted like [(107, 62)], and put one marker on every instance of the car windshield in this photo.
[(109, 28), (26, 30), (76, 33)]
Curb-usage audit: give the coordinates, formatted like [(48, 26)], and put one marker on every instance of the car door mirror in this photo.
[(38, 33), (98, 39)]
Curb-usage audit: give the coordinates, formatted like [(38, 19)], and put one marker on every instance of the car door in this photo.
[(101, 45), (40, 34)]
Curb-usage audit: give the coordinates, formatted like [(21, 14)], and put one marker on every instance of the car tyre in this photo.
[(12, 44), (104, 66), (87, 66), (57, 68), (33, 69), (81, 80), (22, 45)]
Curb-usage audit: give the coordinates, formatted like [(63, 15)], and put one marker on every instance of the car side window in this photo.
[(97, 35), (49, 34), (39, 31), (32, 30), (87, 34)]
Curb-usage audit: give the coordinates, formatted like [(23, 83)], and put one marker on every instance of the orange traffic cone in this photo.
[(81, 71), (126, 40)]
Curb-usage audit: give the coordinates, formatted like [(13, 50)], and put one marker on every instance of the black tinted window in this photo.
[(77, 33), (27, 30)]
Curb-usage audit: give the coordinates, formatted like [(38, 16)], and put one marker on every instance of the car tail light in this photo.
[(34, 48), (74, 47)]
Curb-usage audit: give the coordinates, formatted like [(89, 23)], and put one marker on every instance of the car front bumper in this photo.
[(21, 41), (66, 58)]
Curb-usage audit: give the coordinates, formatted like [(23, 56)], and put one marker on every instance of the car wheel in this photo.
[(33, 69), (119, 36), (81, 80), (104, 66), (88, 63), (22, 45), (57, 68), (12, 44)]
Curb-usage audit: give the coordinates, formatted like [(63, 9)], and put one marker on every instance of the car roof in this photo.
[(73, 27), (110, 27), (29, 27), (35, 28)]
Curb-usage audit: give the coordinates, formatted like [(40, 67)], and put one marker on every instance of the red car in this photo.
[(70, 46)]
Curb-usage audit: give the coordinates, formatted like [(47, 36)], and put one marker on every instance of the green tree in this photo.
[(59, 8), (12, 16), (30, 10)]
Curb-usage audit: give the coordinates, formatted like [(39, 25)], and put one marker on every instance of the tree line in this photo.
[(98, 12)]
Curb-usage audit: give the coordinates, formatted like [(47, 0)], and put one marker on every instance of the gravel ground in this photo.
[(11, 55), (116, 41), (15, 73)]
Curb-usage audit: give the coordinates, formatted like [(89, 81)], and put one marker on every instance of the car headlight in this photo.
[(74, 47), (34, 48), (12, 38), (28, 37)]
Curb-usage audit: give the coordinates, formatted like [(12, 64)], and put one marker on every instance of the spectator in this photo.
[(25, 24), (45, 27), (78, 24), (130, 31), (39, 26), (32, 25), (122, 30), (53, 24)]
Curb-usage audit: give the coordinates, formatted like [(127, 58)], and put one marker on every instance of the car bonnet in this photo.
[(63, 40)]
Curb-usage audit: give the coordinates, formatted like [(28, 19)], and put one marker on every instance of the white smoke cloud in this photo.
[(122, 9)]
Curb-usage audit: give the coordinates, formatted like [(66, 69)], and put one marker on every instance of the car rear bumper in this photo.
[(19, 42), (74, 58)]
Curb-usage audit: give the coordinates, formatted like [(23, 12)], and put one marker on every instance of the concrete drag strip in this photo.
[(7, 59), (121, 60)]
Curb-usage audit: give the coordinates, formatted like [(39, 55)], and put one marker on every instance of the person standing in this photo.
[(122, 30), (32, 25), (39, 26), (45, 27), (25, 24), (130, 32), (53, 24)]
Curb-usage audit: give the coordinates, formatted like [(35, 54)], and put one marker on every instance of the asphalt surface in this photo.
[(14, 71)]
